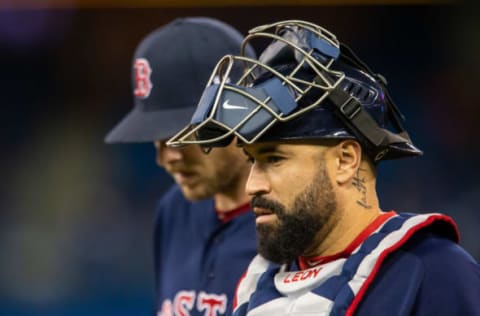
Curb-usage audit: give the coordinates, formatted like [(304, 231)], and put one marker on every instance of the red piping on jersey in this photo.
[(351, 309), (227, 216), (308, 262), (235, 302)]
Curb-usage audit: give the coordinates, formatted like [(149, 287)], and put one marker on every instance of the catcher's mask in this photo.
[(305, 85)]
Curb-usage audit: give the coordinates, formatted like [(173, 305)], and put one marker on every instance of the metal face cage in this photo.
[(303, 66), (264, 95)]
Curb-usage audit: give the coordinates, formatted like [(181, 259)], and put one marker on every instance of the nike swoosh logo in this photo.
[(229, 106)]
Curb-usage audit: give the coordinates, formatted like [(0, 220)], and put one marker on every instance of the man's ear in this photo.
[(348, 156)]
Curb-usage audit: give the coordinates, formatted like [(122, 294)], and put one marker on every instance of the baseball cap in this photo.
[(171, 67)]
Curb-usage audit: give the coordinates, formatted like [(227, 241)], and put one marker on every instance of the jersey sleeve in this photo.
[(451, 281), (431, 275)]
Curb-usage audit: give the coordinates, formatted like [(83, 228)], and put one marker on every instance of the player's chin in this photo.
[(266, 228), (195, 192)]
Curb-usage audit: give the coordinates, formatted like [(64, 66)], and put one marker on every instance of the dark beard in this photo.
[(296, 230)]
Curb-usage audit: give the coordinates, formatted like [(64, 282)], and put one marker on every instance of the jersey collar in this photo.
[(225, 217), (308, 262)]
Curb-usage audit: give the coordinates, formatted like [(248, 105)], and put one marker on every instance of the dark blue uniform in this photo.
[(402, 265), (198, 257)]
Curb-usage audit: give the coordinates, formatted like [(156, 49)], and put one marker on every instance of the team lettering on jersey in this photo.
[(301, 275), (188, 301), (143, 84)]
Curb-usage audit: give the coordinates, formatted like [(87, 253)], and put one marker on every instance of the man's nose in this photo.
[(257, 182)]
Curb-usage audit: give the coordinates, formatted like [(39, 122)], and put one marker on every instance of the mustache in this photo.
[(275, 207)]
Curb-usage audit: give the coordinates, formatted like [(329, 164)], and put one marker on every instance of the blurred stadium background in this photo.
[(76, 214)]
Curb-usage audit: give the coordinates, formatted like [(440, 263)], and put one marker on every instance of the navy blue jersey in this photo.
[(401, 265), (431, 275), (198, 257)]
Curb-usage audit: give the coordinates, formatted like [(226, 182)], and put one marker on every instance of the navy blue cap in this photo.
[(171, 67)]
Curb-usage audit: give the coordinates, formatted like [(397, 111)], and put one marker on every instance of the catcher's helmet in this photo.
[(305, 85)]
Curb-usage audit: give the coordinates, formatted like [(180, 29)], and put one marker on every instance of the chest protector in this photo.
[(336, 287)]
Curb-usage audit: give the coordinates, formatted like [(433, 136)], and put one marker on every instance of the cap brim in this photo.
[(140, 126)]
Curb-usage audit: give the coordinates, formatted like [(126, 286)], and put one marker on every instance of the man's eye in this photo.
[(273, 159)]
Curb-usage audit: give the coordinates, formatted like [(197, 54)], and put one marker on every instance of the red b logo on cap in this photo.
[(143, 85)]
